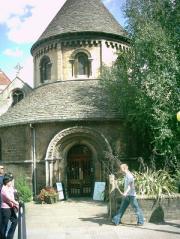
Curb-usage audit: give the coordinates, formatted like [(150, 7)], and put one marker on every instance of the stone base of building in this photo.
[(156, 211)]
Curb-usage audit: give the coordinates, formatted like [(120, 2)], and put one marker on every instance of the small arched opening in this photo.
[(45, 69), (17, 96)]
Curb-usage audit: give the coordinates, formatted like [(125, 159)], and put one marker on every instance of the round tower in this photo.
[(81, 38)]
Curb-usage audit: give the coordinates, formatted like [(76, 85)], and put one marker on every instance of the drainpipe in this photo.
[(101, 60), (33, 155)]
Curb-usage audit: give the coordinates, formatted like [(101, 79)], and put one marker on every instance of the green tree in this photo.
[(144, 83)]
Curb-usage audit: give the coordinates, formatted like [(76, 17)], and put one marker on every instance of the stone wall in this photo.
[(17, 145), (167, 208)]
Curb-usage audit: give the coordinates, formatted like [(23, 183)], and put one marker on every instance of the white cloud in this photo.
[(26, 20), (13, 53), (8, 9)]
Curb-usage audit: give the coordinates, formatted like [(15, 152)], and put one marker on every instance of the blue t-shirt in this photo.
[(1, 181), (129, 181)]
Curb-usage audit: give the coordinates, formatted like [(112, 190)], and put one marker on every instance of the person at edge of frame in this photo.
[(9, 207), (1, 184), (129, 197)]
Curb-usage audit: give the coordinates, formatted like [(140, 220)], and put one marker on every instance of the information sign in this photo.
[(99, 191)]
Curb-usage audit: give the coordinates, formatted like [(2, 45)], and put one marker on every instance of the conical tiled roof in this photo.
[(82, 16)]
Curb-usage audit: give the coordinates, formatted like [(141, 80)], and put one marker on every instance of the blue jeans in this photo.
[(124, 204)]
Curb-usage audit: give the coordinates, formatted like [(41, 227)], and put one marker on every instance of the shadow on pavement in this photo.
[(98, 219), (102, 219), (172, 224)]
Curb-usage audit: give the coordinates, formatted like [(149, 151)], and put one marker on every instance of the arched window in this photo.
[(45, 69), (17, 96), (82, 64)]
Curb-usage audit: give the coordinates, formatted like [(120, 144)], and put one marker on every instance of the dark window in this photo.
[(45, 69), (17, 96), (82, 64)]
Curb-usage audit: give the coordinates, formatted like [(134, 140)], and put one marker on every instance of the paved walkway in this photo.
[(86, 219)]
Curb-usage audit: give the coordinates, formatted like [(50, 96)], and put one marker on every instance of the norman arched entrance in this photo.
[(80, 170), (75, 157)]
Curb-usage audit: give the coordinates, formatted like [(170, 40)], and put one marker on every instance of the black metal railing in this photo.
[(22, 222)]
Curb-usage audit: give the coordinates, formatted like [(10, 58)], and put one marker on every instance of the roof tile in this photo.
[(83, 16), (61, 101)]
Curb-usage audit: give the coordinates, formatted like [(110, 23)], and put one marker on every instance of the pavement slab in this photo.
[(88, 219)]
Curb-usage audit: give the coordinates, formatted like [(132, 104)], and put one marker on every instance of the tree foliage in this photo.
[(145, 81)]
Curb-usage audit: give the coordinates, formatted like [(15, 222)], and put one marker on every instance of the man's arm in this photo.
[(127, 190)]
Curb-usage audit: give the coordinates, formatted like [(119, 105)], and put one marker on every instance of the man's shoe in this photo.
[(113, 222), (140, 224)]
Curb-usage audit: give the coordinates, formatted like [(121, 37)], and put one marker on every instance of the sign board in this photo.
[(99, 191), (60, 190)]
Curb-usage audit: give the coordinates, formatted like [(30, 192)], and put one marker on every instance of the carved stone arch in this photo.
[(50, 154), (81, 63), (60, 144), (73, 55)]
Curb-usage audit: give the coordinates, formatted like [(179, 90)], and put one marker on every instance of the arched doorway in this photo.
[(80, 171), (59, 150)]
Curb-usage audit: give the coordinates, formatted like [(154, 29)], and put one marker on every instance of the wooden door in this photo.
[(79, 171)]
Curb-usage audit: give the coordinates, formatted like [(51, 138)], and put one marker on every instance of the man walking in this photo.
[(129, 197)]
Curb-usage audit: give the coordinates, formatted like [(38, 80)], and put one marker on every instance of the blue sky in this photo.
[(22, 22)]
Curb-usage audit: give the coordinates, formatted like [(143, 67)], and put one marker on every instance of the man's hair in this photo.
[(124, 166), (10, 175)]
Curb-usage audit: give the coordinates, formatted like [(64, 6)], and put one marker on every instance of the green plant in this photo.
[(157, 183), (177, 179), (152, 183), (144, 82), (23, 189)]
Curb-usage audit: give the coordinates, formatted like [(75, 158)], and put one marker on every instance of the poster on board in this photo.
[(99, 191), (60, 190)]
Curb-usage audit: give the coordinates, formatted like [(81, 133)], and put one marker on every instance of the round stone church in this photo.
[(61, 131)]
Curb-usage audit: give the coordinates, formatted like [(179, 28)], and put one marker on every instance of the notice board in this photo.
[(99, 191), (60, 190)]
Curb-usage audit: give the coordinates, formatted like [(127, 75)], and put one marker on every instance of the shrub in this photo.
[(156, 183), (23, 189), (152, 183), (177, 179)]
